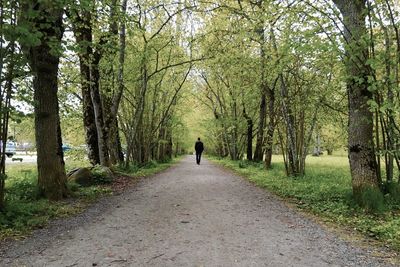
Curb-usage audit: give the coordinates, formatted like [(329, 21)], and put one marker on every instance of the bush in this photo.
[(150, 164), (22, 189), (243, 164), (102, 175), (372, 200), (393, 190)]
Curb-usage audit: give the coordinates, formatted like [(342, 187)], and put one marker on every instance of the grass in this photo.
[(24, 212), (326, 191)]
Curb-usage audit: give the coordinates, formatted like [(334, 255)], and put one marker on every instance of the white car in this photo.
[(10, 148)]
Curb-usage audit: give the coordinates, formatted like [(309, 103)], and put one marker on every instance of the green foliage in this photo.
[(102, 175), (392, 191), (372, 200), (76, 154), (23, 189), (24, 211), (329, 195), (150, 168)]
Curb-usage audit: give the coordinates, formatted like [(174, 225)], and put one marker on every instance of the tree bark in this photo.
[(116, 155), (44, 64), (83, 35), (271, 127), (259, 151), (249, 121), (102, 132), (362, 158)]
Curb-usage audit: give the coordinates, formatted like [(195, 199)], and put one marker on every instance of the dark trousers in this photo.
[(198, 157)]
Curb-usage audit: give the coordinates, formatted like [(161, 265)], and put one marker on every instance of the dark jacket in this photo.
[(199, 147)]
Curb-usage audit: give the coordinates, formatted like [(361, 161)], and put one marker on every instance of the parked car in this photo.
[(10, 148), (66, 147)]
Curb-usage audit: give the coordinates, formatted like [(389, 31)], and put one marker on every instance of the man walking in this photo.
[(199, 147)]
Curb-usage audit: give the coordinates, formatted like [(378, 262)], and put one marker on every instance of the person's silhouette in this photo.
[(199, 147)]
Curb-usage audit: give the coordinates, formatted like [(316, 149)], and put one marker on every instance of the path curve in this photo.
[(189, 215)]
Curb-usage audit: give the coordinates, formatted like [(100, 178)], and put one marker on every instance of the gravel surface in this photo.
[(189, 215)]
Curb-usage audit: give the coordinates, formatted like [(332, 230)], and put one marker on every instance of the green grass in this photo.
[(148, 169), (24, 212), (326, 191)]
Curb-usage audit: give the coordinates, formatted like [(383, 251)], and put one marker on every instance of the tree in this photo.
[(82, 24), (44, 20), (363, 165)]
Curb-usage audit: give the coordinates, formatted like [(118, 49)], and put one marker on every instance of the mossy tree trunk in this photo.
[(83, 34), (44, 60), (362, 158)]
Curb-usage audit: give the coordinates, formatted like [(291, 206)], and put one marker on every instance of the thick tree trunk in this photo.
[(362, 158), (83, 35), (44, 64)]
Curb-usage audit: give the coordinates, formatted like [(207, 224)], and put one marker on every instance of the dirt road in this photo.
[(189, 215)]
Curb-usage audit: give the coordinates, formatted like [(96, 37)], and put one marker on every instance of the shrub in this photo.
[(393, 189), (102, 175), (372, 200), (243, 164), (150, 164), (24, 189)]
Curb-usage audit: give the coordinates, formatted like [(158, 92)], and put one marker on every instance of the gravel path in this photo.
[(189, 215)]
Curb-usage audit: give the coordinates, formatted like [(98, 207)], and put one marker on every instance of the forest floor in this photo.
[(188, 215)]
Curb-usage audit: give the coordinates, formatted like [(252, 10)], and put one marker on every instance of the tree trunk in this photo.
[(102, 132), (83, 35), (249, 135), (44, 63), (6, 93), (362, 158), (271, 127), (259, 151), (116, 155), (292, 157)]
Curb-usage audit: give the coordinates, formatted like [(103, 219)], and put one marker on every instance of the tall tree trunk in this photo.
[(249, 135), (259, 151), (102, 132), (5, 94), (271, 127), (116, 154), (44, 64), (292, 157), (83, 35), (362, 158)]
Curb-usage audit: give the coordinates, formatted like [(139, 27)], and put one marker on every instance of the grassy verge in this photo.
[(325, 191), (24, 212)]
